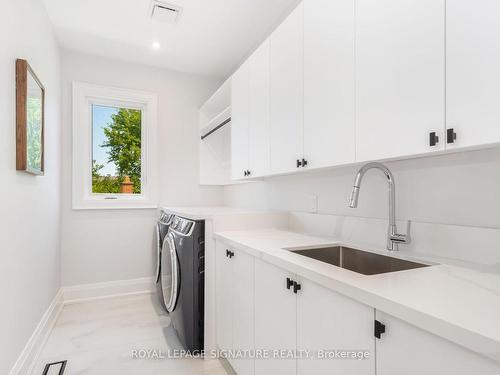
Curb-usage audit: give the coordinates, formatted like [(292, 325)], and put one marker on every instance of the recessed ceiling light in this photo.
[(156, 46)]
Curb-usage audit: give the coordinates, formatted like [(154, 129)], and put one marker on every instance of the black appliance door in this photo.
[(158, 253), (161, 232), (170, 275)]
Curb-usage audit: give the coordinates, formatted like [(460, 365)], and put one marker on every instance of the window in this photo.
[(116, 150), (113, 149)]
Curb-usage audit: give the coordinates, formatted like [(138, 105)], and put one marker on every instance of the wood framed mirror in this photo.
[(30, 120)]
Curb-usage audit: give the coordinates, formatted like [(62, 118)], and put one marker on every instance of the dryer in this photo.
[(183, 280), (161, 231)]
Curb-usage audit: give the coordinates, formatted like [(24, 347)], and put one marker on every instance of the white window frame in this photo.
[(84, 96)]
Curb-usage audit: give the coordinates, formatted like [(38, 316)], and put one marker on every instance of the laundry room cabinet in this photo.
[(327, 320), (224, 297), (400, 67), (240, 122), (472, 72), (235, 305), (250, 119), (259, 149), (286, 93), (293, 313), (406, 349), (341, 82), (312, 87), (275, 318), (278, 313), (329, 112)]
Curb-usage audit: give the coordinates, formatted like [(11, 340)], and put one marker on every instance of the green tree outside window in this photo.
[(123, 144)]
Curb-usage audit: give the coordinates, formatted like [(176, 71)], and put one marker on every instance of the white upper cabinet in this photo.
[(250, 116), (240, 119), (286, 101), (259, 158), (472, 71), (400, 65), (329, 129), (343, 81)]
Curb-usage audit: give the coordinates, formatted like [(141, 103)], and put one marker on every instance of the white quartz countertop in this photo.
[(459, 304), (206, 212)]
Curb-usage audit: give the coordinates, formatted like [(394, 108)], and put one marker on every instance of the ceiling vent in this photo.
[(164, 12)]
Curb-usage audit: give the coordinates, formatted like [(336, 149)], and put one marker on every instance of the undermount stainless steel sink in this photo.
[(359, 261)]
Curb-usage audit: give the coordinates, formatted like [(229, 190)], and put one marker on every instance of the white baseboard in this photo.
[(71, 295), (31, 351), (108, 289)]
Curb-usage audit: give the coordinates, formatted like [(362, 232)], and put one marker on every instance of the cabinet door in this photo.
[(275, 319), (286, 93), (243, 310), (327, 321), (259, 158), (399, 77), (329, 128), (223, 295), (240, 118), (472, 71), (405, 349)]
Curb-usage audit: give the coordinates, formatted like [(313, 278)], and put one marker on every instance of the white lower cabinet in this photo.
[(275, 318), (406, 349), (329, 322), (243, 311), (295, 326), (296, 315), (223, 308), (235, 306)]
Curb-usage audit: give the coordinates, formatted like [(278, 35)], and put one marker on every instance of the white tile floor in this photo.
[(99, 337)]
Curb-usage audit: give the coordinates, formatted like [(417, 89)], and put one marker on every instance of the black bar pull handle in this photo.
[(451, 136), (379, 329), (433, 139), (299, 163), (227, 253), (304, 162), (296, 287), (289, 283)]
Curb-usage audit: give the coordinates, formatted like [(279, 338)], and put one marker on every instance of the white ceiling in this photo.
[(212, 37)]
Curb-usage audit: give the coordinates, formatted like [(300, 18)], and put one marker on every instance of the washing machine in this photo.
[(161, 231), (183, 280)]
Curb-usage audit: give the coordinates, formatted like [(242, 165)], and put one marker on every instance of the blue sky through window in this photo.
[(101, 116)]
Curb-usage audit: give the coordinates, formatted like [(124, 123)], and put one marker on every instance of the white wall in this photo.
[(451, 189), (29, 205), (106, 245)]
